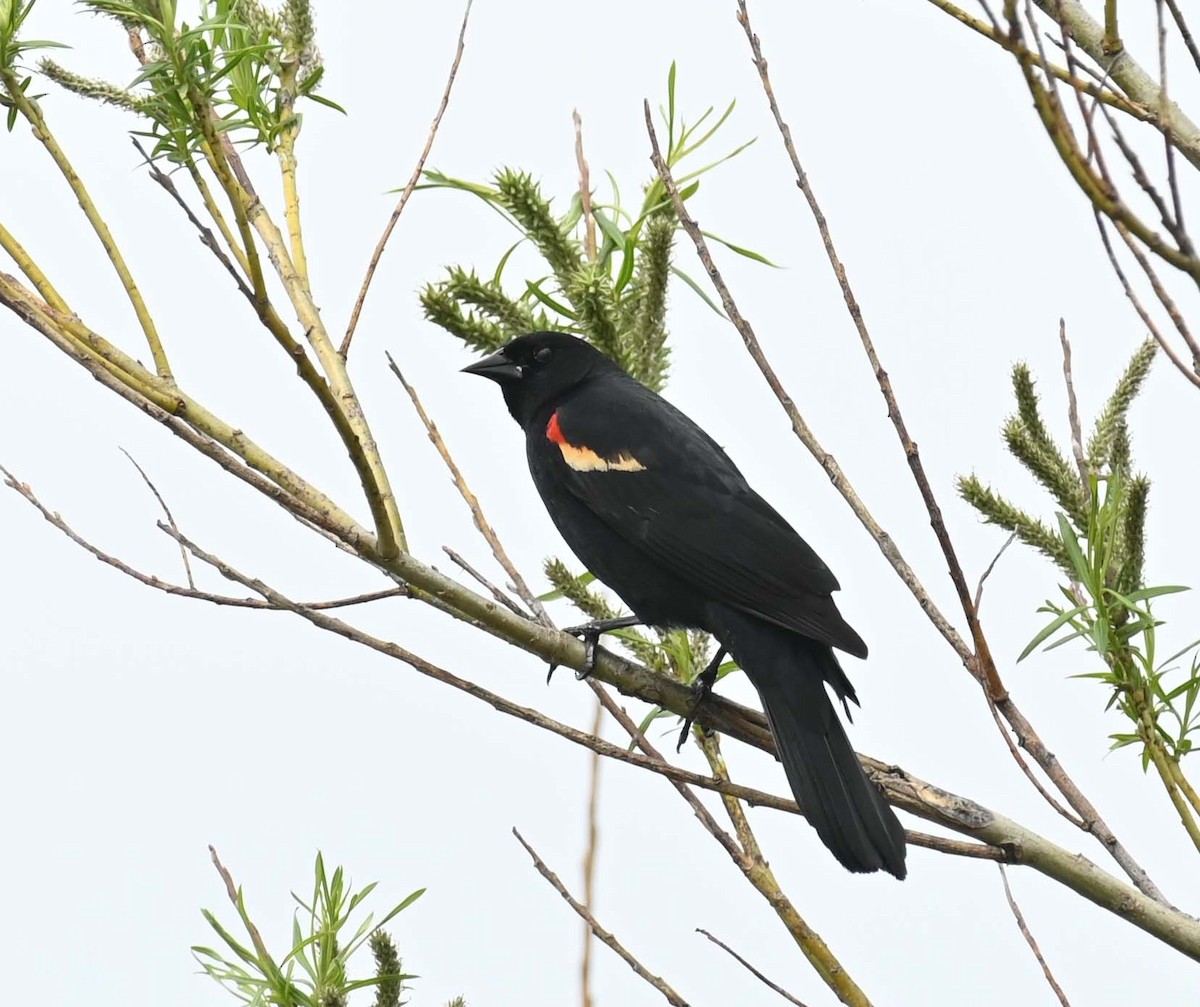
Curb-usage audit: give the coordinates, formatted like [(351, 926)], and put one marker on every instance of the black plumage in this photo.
[(658, 512)]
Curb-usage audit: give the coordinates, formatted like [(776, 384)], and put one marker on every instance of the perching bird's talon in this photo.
[(701, 688), (589, 633)]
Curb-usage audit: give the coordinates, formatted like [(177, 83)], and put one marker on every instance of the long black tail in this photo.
[(790, 672)]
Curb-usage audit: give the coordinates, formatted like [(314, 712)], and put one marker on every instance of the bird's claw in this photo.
[(701, 688), (589, 633)]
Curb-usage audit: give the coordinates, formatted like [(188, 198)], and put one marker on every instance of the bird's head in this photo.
[(536, 370)]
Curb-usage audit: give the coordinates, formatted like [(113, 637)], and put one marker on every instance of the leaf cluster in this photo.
[(1098, 542), (238, 71), (615, 298), (327, 932)]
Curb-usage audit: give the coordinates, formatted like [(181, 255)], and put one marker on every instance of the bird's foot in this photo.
[(702, 686), (590, 633)]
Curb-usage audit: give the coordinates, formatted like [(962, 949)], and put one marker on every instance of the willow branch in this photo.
[(603, 935), (758, 872), (1138, 85), (1029, 939), (460, 483), (1093, 90), (32, 112), (751, 969)]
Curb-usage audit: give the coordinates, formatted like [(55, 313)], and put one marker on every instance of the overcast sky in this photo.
[(138, 728)]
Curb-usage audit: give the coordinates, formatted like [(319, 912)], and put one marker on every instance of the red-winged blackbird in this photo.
[(657, 511)]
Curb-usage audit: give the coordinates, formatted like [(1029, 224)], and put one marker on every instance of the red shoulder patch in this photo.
[(553, 431)]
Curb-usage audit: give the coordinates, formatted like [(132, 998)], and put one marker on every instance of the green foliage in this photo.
[(1028, 439), (1098, 542), (615, 298), (1118, 625), (327, 932), (13, 14), (237, 71)]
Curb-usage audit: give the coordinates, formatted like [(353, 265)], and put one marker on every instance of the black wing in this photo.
[(690, 508)]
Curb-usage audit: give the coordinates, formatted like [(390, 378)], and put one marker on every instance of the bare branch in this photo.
[(585, 190), (183, 553), (235, 896), (659, 984), (166, 587), (1072, 407), (1033, 945), (344, 349), (481, 522), (1184, 32), (990, 567), (495, 592), (589, 857), (1142, 313), (207, 238), (979, 663), (751, 969)]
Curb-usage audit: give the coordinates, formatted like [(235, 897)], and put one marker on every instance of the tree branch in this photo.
[(584, 914), (344, 349)]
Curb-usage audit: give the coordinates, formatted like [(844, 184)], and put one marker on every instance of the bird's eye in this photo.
[(543, 354)]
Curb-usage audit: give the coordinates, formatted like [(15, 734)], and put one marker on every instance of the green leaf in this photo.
[(536, 290), (676, 271), (584, 579), (1083, 570), (1050, 630), (748, 253)]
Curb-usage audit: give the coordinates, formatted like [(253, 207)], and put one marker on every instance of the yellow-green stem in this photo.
[(357, 436), (1162, 763), (1185, 785), (1111, 43), (32, 113), (287, 167), (32, 271)]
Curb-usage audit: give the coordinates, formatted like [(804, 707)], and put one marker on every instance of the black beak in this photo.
[(497, 367)]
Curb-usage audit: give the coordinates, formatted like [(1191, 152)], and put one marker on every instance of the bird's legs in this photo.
[(701, 687), (590, 633)]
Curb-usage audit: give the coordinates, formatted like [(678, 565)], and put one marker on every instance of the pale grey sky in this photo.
[(138, 728)]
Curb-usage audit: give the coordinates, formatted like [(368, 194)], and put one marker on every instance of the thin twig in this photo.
[(589, 859), (1033, 945), (658, 983), (990, 567), (702, 813), (408, 189), (1142, 313), (1072, 407), (187, 563), (207, 238), (495, 592), (997, 34), (984, 667), (751, 969), (235, 896), (1184, 32), (149, 580), (758, 872), (1029, 774), (481, 522), (585, 190)]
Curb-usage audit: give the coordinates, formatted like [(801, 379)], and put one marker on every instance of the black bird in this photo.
[(657, 511)]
